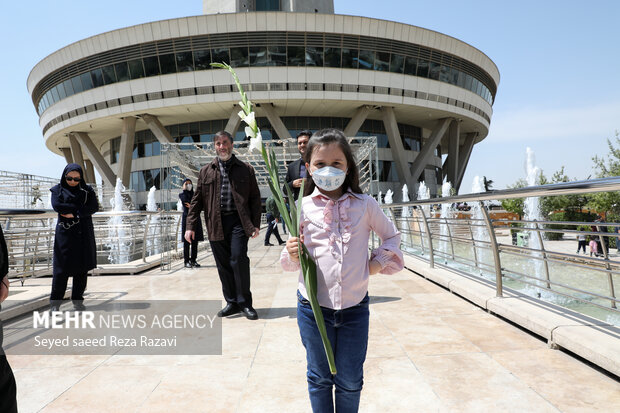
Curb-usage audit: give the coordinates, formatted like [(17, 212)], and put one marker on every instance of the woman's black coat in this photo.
[(75, 251), (186, 196)]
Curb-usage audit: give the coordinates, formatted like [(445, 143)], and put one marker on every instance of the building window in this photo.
[(267, 5)]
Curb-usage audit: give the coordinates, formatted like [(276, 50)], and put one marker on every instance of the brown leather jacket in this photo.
[(245, 192)]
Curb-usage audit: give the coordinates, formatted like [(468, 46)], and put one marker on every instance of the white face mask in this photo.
[(189, 187), (328, 178)]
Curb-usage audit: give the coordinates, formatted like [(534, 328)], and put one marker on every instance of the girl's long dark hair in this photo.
[(325, 137)]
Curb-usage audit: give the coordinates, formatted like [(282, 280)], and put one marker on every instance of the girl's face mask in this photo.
[(329, 178), (188, 187)]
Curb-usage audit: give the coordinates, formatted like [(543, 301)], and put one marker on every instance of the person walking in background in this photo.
[(273, 216), (593, 247), (190, 250), (228, 192), (75, 251), (581, 242), (8, 387), (336, 221), (296, 170)]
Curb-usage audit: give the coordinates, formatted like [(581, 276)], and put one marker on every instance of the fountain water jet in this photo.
[(119, 247), (152, 242), (446, 215)]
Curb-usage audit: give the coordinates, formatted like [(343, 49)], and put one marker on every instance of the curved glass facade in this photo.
[(261, 49), (145, 143)]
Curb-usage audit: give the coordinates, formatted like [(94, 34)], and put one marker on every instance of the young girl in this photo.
[(336, 221)]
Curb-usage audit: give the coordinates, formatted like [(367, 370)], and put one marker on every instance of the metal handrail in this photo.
[(546, 268), (561, 188)]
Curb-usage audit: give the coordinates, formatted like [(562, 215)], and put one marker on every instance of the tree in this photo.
[(607, 166), (515, 205), (570, 204)]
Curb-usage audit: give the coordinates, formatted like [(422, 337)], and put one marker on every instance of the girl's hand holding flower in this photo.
[(292, 247)]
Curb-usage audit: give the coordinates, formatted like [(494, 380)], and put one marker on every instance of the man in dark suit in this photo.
[(296, 171)]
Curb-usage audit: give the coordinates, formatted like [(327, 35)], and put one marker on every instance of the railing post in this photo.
[(431, 255), (450, 237), (498, 265), (544, 255), (612, 291), (473, 240), (144, 238)]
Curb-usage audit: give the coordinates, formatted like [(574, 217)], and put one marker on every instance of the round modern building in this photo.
[(110, 100)]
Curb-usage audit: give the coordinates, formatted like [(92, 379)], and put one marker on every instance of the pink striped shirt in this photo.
[(336, 234)]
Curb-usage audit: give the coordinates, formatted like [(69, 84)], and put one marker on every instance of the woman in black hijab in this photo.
[(186, 199), (75, 252)]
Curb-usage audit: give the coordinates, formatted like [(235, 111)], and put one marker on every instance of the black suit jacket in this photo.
[(292, 173)]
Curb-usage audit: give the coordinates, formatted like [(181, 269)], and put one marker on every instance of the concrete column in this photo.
[(89, 172), (95, 156), (464, 154), (233, 122), (275, 121), (357, 121), (127, 142), (453, 152), (428, 149), (162, 135), (67, 154), (396, 145), (76, 151)]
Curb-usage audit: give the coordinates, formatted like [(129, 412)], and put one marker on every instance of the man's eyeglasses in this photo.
[(70, 178)]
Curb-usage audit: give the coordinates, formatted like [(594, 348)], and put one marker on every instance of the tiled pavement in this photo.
[(429, 351)]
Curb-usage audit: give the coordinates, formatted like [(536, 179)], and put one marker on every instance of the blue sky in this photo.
[(559, 63)]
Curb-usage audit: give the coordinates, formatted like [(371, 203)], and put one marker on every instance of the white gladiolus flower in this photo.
[(256, 143), (250, 120), (250, 132), (241, 114)]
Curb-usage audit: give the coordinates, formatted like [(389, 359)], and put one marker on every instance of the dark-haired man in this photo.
[(228, 192), (296, 171)]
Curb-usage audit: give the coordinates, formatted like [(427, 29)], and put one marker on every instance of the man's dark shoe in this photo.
[(268, 244), (188, 265), (230, 309), (195, 264), (282, 242), (250, 313)]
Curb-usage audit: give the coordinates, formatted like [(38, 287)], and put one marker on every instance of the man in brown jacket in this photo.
[(228, 192)]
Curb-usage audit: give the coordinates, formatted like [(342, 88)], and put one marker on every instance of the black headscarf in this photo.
[(70, 168), (71, 194)]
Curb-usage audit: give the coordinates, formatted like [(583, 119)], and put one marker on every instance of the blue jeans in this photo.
[(348, 333)]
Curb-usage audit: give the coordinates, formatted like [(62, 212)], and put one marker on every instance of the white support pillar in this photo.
[(67, 154), (76, 151), (89, 172), (464, 154), (127, 141), (275, 121), (161, 133), (396, 144), (428, 149), (234, 121), (453, 152), (357, 121), (95, 156)]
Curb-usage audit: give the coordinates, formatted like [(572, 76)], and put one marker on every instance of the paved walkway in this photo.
[(429, 351)]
